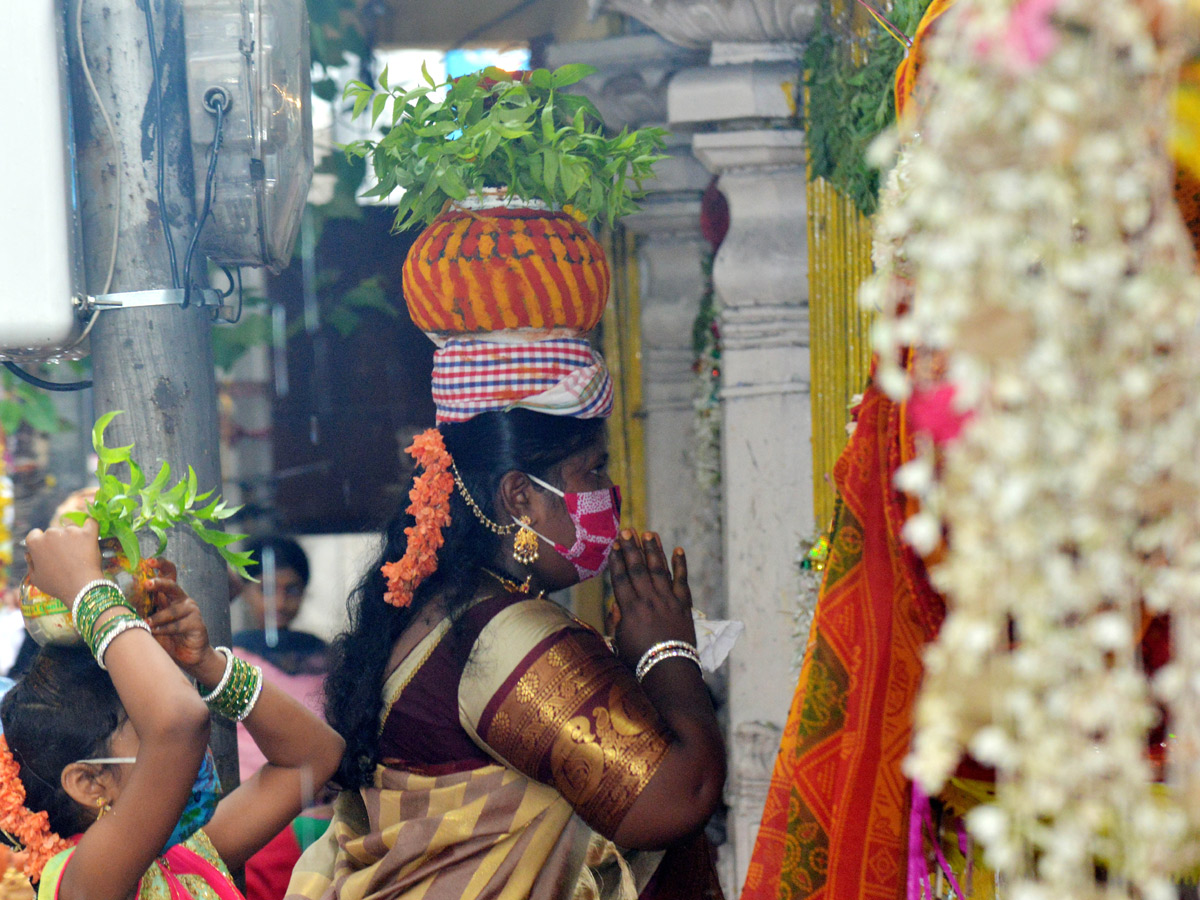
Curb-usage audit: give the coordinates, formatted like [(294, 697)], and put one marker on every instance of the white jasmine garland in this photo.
[(1030, 256)]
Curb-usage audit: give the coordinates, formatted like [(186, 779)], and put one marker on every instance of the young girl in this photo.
[(116, 762)]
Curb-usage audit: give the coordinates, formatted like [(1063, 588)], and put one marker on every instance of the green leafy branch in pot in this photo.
[(125, 508), (494, 129)]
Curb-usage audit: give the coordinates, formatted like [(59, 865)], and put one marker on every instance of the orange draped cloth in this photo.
[(836, 819)]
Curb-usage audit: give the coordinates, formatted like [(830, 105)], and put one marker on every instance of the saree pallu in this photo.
[(569, 740), (837, 813)]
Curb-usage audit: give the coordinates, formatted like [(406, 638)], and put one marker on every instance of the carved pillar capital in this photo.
[(629, 86), (754, 92), (696, 23)]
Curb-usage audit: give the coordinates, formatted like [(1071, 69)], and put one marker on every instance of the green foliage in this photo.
[(333, 36), (23, 404), (231, 342), (494, 129), (347, 314), (348, 176), (124, 508), (850, 103)]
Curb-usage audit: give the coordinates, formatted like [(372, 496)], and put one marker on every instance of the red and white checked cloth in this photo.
[(559, 376)]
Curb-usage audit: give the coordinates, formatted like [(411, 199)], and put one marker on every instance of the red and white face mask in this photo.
[(596, 516)]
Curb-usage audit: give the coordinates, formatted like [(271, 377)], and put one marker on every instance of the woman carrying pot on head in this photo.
[(496, 746)]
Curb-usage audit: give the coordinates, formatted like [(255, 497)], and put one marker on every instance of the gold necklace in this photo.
[(508, 584)]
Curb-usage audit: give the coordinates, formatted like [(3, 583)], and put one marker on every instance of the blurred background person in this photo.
[(292, 660)]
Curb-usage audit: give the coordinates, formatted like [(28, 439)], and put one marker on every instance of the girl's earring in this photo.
[(525, 544), (102, 806)]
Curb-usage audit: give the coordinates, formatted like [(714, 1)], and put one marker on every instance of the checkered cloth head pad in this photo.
[(560, 377)]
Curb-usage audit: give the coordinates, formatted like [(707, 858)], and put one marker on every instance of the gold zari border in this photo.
[(582, 724)]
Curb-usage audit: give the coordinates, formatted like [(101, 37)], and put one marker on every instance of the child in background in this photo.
[(296, 663), (297, 660), (109, 784)]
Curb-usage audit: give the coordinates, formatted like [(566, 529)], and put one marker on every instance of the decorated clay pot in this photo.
[(488, 265), (48, 620)]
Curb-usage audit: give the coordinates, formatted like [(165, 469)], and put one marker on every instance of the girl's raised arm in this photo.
[(302, 751), (136, 806)]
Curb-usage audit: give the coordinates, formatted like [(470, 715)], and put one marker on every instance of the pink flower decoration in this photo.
[(1031, 36), (932, 412)]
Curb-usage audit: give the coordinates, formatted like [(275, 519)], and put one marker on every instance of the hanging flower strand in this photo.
[(1030, 253), (430, 506), (31, 829)]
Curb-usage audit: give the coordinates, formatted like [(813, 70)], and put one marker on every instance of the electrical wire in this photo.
[(116, 147), (235, 285), (241, 300), (216, 101), (60, 386), (225, 295), (160, 143)]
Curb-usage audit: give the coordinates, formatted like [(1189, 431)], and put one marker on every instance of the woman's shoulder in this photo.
[(520, 620), (531, 638)]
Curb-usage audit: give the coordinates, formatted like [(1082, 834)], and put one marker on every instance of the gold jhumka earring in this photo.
[(525, 544)]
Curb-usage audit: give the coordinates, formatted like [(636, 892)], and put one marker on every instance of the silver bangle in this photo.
[(670, 654), (87, 587), (253, 697), (228, 654), (118, 630), (660, 651)]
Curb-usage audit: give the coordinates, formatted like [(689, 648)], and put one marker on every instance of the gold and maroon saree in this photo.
[(499, 773)]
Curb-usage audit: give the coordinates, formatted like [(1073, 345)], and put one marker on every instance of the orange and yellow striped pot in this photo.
[(475, 271)]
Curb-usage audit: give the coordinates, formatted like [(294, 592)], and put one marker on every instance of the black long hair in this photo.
[(484, 449), (64, 709)]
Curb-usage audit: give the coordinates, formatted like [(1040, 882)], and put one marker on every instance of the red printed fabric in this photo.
[(836, 820)]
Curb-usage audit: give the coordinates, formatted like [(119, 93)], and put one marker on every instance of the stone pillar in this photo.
[(760, 277), (672, 282), (630, 89), (742, 112)]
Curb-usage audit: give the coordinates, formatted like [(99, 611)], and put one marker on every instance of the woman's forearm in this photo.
[(290, 735), (286, 731)]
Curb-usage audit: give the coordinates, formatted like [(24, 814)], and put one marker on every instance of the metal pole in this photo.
[(155, 363)]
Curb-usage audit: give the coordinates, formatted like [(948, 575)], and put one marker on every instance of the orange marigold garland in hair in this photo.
[(31, 829), (430, 506)]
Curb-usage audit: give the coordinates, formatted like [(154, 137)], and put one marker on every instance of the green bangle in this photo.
[(124, 624), (236, 696), (102, 633), (92, 605)]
